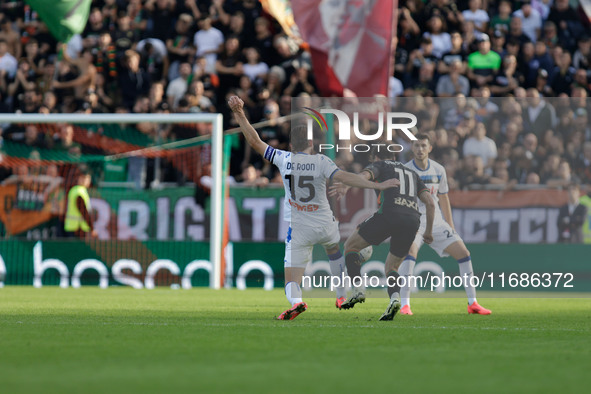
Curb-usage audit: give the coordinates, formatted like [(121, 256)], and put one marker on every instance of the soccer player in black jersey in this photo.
[(397, 218)]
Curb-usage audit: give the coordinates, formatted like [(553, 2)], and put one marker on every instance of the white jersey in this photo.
[(304, 179), (435, 179)]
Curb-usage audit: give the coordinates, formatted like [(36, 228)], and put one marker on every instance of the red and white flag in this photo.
[(350, 42)]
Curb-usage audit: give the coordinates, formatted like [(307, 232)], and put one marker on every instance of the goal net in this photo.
[(155, 199)]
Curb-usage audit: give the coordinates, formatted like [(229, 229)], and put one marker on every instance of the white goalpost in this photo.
[(216, 120)]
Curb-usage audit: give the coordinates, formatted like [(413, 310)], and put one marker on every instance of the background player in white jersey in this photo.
[(306, 204), (446, 242)]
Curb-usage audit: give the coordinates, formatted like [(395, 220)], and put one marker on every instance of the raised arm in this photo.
[(252, 137)]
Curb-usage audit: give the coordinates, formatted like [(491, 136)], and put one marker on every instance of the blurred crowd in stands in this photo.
[(167, 56)]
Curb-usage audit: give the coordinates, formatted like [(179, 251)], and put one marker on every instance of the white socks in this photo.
[(406, 269), (466, 273), (293, 292), (337, 268)]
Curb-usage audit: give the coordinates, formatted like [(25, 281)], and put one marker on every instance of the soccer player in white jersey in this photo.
[(446, 242), (306, 205)]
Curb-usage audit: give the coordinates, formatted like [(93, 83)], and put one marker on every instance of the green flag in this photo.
[(64, 18)]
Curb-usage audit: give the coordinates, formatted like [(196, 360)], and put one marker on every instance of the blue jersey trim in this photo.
[(428, 177), (269, 153), (414, 163), (334, 172), (288, 238)]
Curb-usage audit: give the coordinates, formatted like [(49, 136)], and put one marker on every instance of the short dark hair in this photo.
[(423, 136), (299, 138)]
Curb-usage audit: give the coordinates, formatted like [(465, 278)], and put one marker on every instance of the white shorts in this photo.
[(443, 236), (300, 242)]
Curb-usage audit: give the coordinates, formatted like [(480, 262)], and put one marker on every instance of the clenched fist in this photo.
[(235, 104)]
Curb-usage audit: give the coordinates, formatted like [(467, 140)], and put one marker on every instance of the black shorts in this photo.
[(402, 230)]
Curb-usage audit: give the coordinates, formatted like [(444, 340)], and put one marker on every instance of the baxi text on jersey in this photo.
[(304, 207), (406, 203), (301, 166)]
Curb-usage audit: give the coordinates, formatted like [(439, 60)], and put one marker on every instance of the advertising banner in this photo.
[(73, 263)]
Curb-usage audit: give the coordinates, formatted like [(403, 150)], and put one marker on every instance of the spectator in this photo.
[(124, 37), (251, 178), (178, 87), (64, 142), (571, 217), (473, 172), (453, 83), (255, 69), (236, 28), (24, 79), (32, 137), (516, 31), (300, 81), (582, 57), (94, 28), (419, 57), (437, 32), (501, 21), (11, 37), (480, 145), (549, 168), (201, 102), (477, 15), (549, 34), (531, 20), (456, 52), (425, 84), (263, 40), (564, 176), (563, 75), (156, 95), (498, 43), (543, 57), (86, 78), (161, 17), (35, 59), (532, 179), (180, 46), (209, 43), (447, 9), (508, 78), (542, 84), (537, 114), (229, 66), (154, 58), (484, 64), (8, 63), (133, 81), (566, 19)]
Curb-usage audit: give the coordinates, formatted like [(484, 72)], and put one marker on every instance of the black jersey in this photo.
[(402, 199)]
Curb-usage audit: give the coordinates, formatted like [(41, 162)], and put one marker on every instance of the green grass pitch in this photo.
[(122, 340)]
